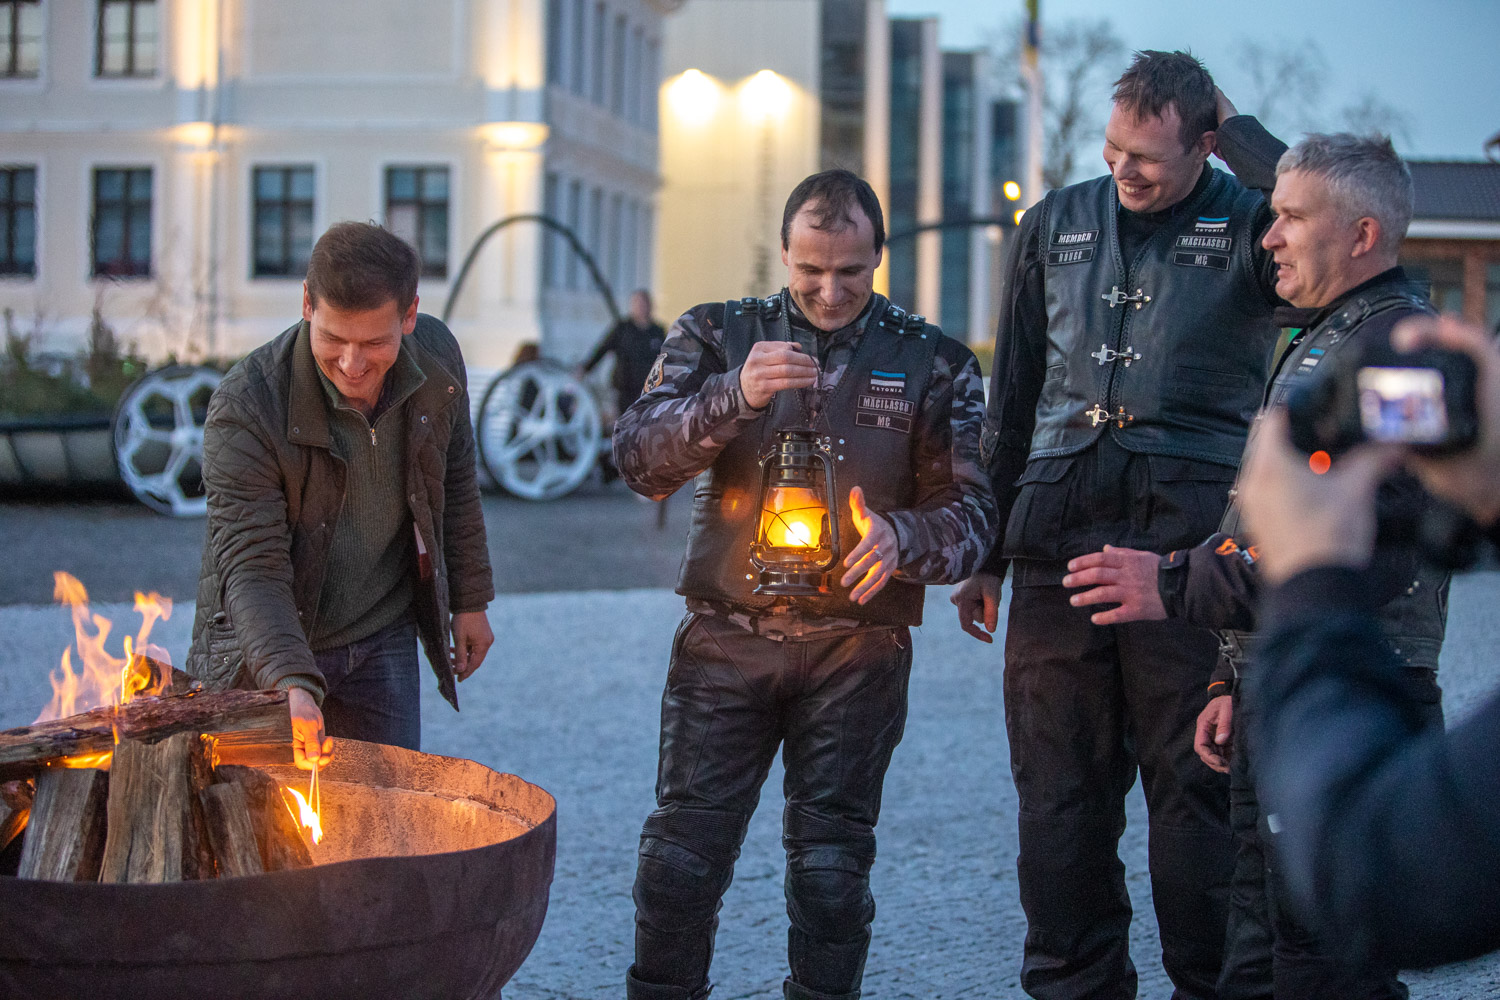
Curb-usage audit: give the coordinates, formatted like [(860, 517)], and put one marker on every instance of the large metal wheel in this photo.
[(539, 431), (158, 434)]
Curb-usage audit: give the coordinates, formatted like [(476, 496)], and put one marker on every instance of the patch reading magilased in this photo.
[(1221, 243), (1076, 256), (1218, 261), (1073, 239), (885, 412)]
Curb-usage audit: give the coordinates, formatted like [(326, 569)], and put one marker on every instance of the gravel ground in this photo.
[(570, 700)]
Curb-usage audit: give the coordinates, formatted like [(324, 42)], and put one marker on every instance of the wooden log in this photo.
[(24, 750), (151, 811), (200, 775), (65, 835), (276, 832), (231, 832)]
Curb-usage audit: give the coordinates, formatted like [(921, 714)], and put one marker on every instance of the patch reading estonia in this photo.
[(1073, 239), (1075, 256), (884, 412), (1221, 243), (889, 383), (1217, 261), (1207, 225)]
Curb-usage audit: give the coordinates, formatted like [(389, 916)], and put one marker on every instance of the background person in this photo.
[(634, 341), (1343, 203), (1389, 825), (821, 677), (343, 509), (1134, 342)]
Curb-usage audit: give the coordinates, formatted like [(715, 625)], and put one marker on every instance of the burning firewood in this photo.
[(255, 717), (231, 831), (65, 833), (152, 835), (276, 832)]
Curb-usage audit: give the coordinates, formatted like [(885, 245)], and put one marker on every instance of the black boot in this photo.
[(792, 991), (636, 989)]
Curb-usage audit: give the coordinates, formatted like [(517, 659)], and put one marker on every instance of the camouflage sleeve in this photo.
[(949, 529), (691, 408)]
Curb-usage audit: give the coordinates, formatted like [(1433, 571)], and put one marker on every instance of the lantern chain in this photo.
[(812, 410)]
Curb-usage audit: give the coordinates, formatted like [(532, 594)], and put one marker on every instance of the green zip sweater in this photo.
[(370, 579)]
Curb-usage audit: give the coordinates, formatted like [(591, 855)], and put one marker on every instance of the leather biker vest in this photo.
[(867, 427), (1169, 351), (1414, 621)]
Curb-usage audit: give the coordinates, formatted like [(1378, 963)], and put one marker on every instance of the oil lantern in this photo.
[(797, 541)]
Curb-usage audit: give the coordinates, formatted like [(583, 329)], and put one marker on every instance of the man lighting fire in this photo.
[(343, 510), (836, 441)]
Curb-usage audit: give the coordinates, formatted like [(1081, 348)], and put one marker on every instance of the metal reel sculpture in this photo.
[(539, 431), (158, 437)]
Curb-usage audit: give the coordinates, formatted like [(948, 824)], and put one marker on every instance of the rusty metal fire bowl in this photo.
[(431, 881)]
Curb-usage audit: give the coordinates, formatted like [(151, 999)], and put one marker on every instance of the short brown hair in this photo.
[(359, 265), (1158, 79), (834, 194)]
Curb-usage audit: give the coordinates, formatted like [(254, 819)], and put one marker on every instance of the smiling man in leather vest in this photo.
[(897, 406), (1135, 339), (1343, 204)]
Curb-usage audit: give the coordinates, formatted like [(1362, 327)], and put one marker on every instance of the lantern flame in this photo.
[(105, 679), (792, 518)]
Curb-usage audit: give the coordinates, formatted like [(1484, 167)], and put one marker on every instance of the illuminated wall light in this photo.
[(514, 136), (766, 96), (693, 97), (1012, 190)]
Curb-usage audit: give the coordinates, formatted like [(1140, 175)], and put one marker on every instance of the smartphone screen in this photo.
[(1403, 405)]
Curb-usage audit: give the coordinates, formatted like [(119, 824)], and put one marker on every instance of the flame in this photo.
[(792, 517), (309, 815), (105, 679), (99, 760)]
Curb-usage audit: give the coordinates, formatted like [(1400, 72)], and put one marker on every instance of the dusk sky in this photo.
[(1437, 62)]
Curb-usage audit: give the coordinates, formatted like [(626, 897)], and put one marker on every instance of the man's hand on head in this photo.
[(1126, 577), (978, 603), (874, 559), (773, 365), (312, 748), (472, 639), (1301, 520)]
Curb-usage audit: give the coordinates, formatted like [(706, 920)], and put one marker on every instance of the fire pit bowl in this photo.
[(431, 881)]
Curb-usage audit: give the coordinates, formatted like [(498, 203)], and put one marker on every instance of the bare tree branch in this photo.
[(1370, 115)]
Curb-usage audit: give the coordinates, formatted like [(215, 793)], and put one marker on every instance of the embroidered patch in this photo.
[(1223, 243), (1073, 239), (655, 376), (1217, 261), (1311, 361), (1207, 225), (887, 383), (1077, 256), (885, 421), (885, 404)]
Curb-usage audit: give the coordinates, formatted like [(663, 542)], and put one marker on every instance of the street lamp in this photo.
[(765, 97), (694, 97)]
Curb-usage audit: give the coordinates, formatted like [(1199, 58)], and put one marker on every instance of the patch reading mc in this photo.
[(884, 412), (1078, 255), (1218, 261)]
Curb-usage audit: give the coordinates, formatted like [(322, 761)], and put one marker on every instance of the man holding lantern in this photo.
[(835, 438)]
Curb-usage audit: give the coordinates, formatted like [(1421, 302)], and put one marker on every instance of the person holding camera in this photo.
[(1342, 204), (1388, 824)]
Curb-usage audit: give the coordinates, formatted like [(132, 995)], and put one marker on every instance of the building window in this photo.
[(614, 266), (551, 242), (20, 38), (555, 37), (120, 226), (633, 97), (575, 209), (416, 209), (650, 81), (617, 67), (283, 228), (18, 220), (579, 47), (126, 43)]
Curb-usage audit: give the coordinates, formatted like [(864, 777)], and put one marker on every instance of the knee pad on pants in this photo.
[(686, 861), (828, 895)]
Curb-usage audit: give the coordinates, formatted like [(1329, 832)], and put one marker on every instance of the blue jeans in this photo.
[(374, 690)]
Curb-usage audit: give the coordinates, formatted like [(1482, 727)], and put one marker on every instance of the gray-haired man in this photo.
[(1342, 206)]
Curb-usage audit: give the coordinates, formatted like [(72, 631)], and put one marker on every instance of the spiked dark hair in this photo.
[(1158, 79)]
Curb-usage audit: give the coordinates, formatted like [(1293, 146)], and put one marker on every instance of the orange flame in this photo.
[(308, 814), (105, 679)]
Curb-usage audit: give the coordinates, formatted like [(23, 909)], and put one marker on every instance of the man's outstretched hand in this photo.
[(311, 747), (875, 557), (1126, 577), (978, 602)]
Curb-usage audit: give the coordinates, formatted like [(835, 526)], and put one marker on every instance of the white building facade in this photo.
[(169, 163)]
